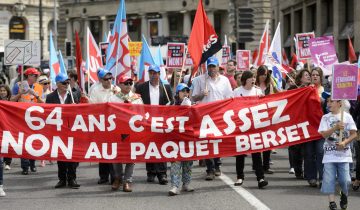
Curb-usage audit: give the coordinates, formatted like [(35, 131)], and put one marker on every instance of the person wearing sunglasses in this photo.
[(66, 170), (121, 177), (154, 92), (28, 91), (101, 93), (44, 81)]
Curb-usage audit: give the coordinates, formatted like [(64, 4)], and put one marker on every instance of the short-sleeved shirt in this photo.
[(101, 95), (241, 91), (218, 89), (331, 154)]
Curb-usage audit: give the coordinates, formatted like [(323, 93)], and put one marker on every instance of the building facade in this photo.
[(161, 21), (20, 19), (325, 17)]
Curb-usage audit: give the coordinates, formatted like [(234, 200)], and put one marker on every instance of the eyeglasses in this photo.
[(46, 83), (64, 83), (107, 79), (128, 83)]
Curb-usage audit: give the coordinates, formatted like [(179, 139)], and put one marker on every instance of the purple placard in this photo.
[(344, 83), (323, 53)]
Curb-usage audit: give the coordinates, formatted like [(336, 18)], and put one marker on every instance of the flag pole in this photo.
[(341, 120), (183, 64)]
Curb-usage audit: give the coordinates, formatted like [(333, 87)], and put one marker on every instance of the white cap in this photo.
[(46, 71)]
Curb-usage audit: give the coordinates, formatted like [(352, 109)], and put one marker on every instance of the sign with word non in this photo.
[(302, 45), (175, 55)]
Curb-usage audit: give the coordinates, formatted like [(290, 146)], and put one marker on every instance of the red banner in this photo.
[(125, 133)]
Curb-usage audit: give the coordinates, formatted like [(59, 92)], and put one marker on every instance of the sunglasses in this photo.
[(107, 79), (34, 75), (65, 83), (128, 83), (185, 90), (46, 83)]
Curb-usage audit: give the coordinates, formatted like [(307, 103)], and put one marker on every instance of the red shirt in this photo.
[(231, 80)]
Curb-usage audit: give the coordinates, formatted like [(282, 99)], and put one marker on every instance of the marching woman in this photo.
[(263, 81), (248, 88), (5, 95), (181, 170), (296, 152)]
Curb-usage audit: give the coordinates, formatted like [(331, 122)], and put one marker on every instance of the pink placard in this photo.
[(243, 60), (323, 53), (344, 83)]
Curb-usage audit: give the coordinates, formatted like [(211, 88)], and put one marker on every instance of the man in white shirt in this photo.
[(154, 92), (101, 94), (207, 88)]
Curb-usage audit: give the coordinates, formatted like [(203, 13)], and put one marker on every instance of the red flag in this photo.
[(294, 61), (285, 60), (254, 55), (203, 41), (263, 46), (351, 51), (78, 58)]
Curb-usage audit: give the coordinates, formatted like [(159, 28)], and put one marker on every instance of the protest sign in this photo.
[(188, 60), (114, 132), (135, 48), (302, 45), (242, 60), (323, 53), (175, 55), (344, 82), (225, 55)]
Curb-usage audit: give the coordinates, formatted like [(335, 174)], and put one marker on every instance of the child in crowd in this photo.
[(337, 154)]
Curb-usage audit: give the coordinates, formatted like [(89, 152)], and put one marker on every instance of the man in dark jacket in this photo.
[(62, 95), (154, 92)]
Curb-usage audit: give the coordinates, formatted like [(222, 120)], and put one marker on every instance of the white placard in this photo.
[(22, 52)]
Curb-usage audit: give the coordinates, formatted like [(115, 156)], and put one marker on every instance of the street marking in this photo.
[(250, 198)]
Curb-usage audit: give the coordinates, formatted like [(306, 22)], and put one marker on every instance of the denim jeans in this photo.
[(313, 155), (26, 163), (357, 152), (1, 171), (333, 171), (212, 165)]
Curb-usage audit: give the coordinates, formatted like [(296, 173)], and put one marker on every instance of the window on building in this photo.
[(134, 27), (287, 31), (95, 28), (17, 28), (349, 14), (217, 24), (311, 18), (176, 21), (328, 10), (298, 22)]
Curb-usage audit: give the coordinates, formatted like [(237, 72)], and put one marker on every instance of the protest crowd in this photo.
[(334, 157)]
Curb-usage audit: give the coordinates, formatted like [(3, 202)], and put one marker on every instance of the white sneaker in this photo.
[(239, 182), (292, 171), (7, 167), (187, 188), (174, 191), (2, 192)]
